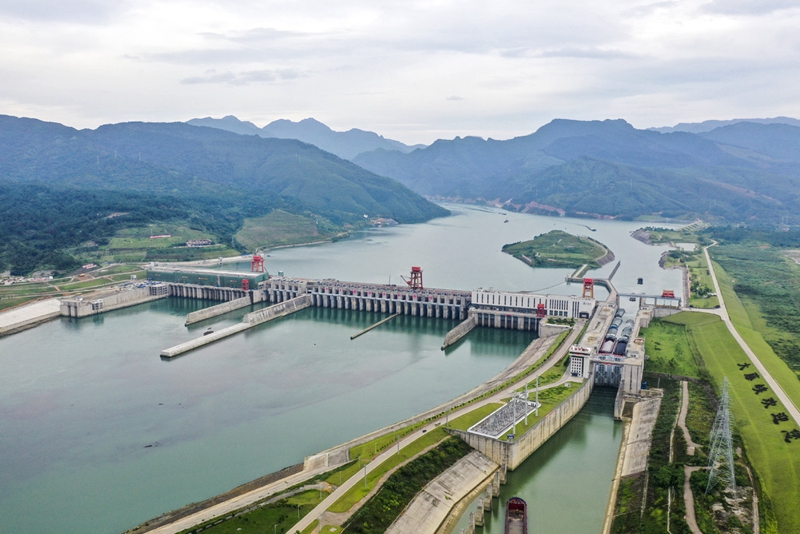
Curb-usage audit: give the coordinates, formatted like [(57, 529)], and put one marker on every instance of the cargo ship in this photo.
[(516, 516)]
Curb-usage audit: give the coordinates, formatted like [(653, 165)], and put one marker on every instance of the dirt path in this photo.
[(691, 446), (688, 498)]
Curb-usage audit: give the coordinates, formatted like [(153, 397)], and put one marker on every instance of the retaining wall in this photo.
[(460, 331), (219, 309), (516, 452), (278, 310)]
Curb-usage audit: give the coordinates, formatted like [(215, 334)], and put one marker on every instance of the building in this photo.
[(537, 305)]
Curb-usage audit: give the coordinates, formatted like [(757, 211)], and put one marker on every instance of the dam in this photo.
[(483, 307), (106, 364)]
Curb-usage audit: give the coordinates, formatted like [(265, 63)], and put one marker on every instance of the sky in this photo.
[(410, 70)]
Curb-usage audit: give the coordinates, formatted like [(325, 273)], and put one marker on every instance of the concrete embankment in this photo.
[(514, 453), (430, 508), (341, 453), (250, 320), (464, 328), (28, 315), (106, 301), (219, 309)]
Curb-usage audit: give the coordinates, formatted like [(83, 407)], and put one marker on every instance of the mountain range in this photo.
[(60, 186), (346, 145), (742, 172), (707, 126)]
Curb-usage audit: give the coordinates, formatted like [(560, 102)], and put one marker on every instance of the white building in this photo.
[(542, 305)]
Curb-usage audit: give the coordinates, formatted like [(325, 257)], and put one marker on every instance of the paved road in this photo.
[(408, 440), (722, 311)]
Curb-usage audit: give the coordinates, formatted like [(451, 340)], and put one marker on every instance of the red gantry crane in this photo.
[(416, 278)]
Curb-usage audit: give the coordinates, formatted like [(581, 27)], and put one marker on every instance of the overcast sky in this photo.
[(413, 71)]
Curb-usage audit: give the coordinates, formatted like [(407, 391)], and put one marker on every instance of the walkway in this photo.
[(722, 311)]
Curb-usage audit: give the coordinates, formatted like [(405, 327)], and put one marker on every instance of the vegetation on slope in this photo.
[(64, 182), (401, 487), (610, 169), (557, 249)]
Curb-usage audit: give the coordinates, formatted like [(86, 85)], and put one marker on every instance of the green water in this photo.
[(98, 434), (566, 482)]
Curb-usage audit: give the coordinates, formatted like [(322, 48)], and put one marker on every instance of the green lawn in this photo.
[(263, 520), (701, 283), (281, 228), (667, 349), (359, 491), (776, 462)]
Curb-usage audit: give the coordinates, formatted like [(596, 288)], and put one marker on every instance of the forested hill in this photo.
[(737, 173), (212, 176)]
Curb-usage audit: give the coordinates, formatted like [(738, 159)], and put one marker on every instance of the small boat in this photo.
[(505, 221), (209, 331), (516, 516)]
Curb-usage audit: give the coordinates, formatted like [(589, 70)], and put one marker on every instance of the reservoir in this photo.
[(98, 434)]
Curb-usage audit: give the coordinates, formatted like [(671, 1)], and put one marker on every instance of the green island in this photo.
[(560, 249)]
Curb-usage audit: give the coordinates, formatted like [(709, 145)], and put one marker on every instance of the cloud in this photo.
[(73, 11), (590, 53), (750, 7), (242, 78)]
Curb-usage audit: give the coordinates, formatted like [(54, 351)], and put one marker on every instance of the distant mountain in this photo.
[(185, 160), (778, 141), (209, 177), (741, 172), (346, 145), (707, 126)]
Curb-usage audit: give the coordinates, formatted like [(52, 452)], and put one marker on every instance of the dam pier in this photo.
[(481, 307)]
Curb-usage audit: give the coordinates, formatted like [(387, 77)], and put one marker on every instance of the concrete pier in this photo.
[(250, 320), (430, 508), (33, 314), (376, 325), (464, 328), (225, 307), (204, 340)]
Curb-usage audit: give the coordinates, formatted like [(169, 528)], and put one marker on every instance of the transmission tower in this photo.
[(720, 459)]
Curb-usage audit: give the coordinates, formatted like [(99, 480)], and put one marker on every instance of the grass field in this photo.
[(135, 245), (776, 462), (741, 319), (281, 514), (700, 283), (667, 349), (281, 228)]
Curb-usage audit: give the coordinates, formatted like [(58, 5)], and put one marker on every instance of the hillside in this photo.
[(213, 177), (346, 145), (736, 173)]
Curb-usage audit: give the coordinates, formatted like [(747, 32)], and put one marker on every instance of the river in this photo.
[(98, 434)]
